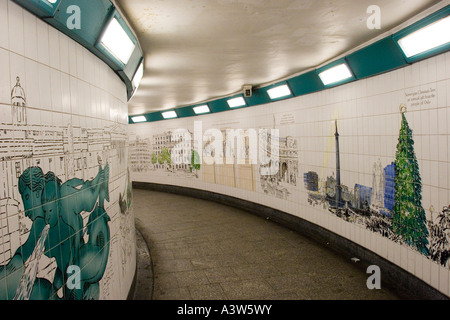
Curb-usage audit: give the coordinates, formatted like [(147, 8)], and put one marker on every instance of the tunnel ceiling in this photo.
[(197, 50)]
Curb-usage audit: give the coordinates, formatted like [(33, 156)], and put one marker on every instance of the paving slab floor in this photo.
[(202, 250)]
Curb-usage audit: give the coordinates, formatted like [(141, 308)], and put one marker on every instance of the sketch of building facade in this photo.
[(181, 151), (18, 104), (140, 155), (278, 184), (66, 150), (168, 151), (378, 185)]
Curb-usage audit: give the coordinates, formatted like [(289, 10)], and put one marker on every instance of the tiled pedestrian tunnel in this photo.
[(224, 150)]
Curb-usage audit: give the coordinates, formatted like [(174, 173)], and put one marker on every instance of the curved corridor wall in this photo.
[(368, 161), (67, 227)]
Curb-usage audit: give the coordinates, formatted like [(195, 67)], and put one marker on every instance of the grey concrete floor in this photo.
[(202, 250)]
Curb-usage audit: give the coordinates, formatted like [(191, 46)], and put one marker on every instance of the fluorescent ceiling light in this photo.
[(236, 102), (427, 38), (169, 115), (278, 92), (138, 76), (338, 73), (117, 41), (201, 109), (139, 119)]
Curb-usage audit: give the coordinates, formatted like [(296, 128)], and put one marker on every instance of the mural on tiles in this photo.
[(279, 184), (61, 220), (166, 153), (392, 206), (126, 222), (57, 231)]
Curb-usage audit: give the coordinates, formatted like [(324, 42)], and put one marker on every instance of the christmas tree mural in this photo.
[(409, 220)]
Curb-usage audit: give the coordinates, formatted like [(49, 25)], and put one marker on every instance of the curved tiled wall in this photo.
[(391, 145), (67, 226)]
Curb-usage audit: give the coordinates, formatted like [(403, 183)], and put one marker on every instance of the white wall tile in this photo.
[(64, 53), (74, 95), (15, 21), (80, 61), (440, 68), (56, 90), (5, 116), (426, 269), (5, 83), (46, 118), (447, 64), (54, 51), (4, 28), (65, 93), (424, 74), (88, 72), (443, 280), (448, 93), (31, 85), (45, 87), (411, 261), (434, 281), (30, 35), (43, 42), (17, 69), (73, 58)]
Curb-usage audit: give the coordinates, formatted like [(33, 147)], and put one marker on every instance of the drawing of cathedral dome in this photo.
[(18, 103)]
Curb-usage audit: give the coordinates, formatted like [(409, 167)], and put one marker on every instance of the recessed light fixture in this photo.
[(279, 92), (138, 75), (201, 109), (236, 102), (427, 38), (335, 74), (117, 41), (52, 1), (139, 119), (169, 115)]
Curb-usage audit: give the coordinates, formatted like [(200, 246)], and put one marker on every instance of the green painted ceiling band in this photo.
[(185, 112), (380, 57), (305, 83)]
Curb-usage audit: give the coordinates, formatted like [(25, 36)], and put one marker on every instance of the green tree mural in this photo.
[(165, 157), (409, 220), (195, 160)]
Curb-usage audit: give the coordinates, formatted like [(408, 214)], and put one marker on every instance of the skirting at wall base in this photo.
[(406, 285), (132, 291)]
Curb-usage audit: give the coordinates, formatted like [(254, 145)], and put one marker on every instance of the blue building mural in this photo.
[(363, 197), (398, 213), (389, 189)]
